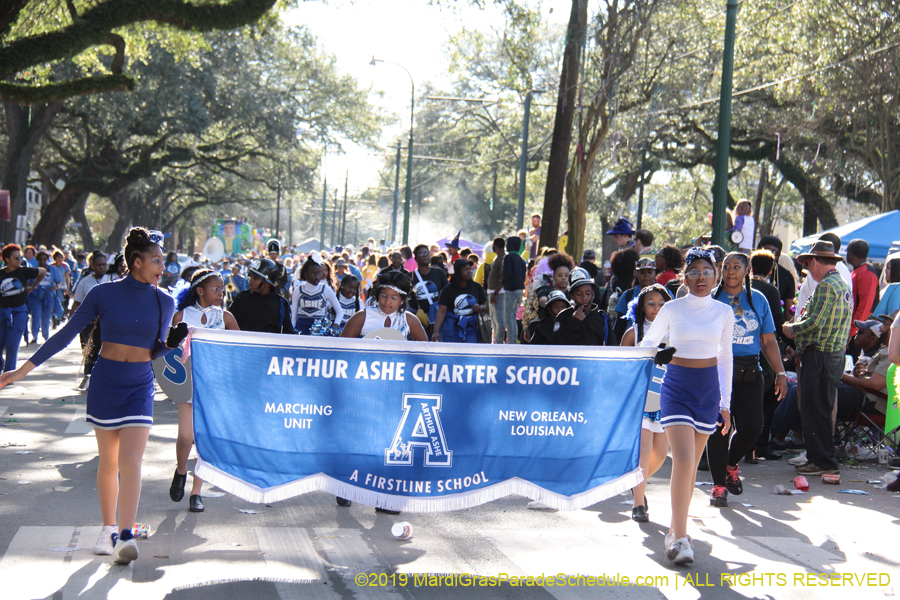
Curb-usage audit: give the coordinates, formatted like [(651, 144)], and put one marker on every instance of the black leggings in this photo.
[(746, 424)]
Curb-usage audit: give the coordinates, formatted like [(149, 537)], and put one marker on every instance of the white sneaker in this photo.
[(125, 552), (670, 539), (535, 505), (680, 552), (105, 543), (799, 460)]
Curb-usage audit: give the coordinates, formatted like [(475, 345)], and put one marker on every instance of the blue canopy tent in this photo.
[(880, 231)]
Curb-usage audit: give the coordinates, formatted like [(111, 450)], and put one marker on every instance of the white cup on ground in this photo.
[(402, 531)]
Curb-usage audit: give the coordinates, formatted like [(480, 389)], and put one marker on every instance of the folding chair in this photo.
[(867, 430)]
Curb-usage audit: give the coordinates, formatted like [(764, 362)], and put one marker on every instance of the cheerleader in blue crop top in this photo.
[(134, 315), (696, 389)]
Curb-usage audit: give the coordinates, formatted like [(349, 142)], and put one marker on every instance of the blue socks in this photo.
[(126, 535)]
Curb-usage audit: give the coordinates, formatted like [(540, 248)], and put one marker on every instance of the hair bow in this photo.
[(157, 237), (699, 253)]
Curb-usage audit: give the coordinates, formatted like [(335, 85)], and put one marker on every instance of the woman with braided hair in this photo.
[(133, 313), (696, 391), (199, 304), (754, 332)]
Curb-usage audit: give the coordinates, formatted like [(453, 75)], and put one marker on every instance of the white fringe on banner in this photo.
[(321, 482)]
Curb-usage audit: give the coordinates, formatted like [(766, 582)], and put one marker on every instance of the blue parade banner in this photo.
[(416, 427)]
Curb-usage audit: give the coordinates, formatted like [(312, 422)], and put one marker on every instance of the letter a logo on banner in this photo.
[(420, 427)]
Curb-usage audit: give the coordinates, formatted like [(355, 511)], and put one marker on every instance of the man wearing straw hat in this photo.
[(821, 331)]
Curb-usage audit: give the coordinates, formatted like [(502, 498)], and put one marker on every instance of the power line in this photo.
[(765, 85)]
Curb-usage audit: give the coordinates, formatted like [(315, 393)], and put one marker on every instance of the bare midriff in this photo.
[(694, 363), (125, 353)]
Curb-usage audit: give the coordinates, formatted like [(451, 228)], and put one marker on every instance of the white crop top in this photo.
[(193, 316), (698, 328), (375, 319)]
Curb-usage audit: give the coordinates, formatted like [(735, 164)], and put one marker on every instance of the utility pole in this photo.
[(396, 196), (523, 162), (344, 212), (494, 203), (720, 186), (290, 231), (324, 208), (277, 209), (640, 210), (412, 110), (334, 215)]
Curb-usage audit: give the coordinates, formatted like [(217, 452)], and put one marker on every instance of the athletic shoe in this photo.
[(777, 447), (125, 552), (894, 463), (814, 469), (535, 505), (792, 445), (85, 383), (798, 460), (733, 480), (767, 454), (343, 502), (680, 552), (719, 496), (107, 541)]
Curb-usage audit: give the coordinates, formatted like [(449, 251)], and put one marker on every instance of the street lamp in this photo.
[(412, 109)]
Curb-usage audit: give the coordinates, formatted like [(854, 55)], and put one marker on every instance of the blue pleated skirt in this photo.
[(120, 394), (690, 397)]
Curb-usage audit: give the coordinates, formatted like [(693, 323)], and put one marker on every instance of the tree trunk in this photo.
[(562, 125), (116, 239), (810, 222), (52, 226), (808, 187), (87, 238), (24, 127)]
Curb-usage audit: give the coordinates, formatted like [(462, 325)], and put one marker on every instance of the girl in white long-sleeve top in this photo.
[(696, 390), (311, 297)]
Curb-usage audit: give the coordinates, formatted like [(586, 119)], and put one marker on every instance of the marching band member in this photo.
[(198, 305), (260, 308), (642, 310), (386, 307), (311, 297)]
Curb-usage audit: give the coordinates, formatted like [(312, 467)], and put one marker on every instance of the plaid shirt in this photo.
[(826, 318)]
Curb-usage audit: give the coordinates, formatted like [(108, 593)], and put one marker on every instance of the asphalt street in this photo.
[(824, 543)]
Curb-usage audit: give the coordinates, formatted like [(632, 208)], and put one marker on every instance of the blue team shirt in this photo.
[(749, 326)]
